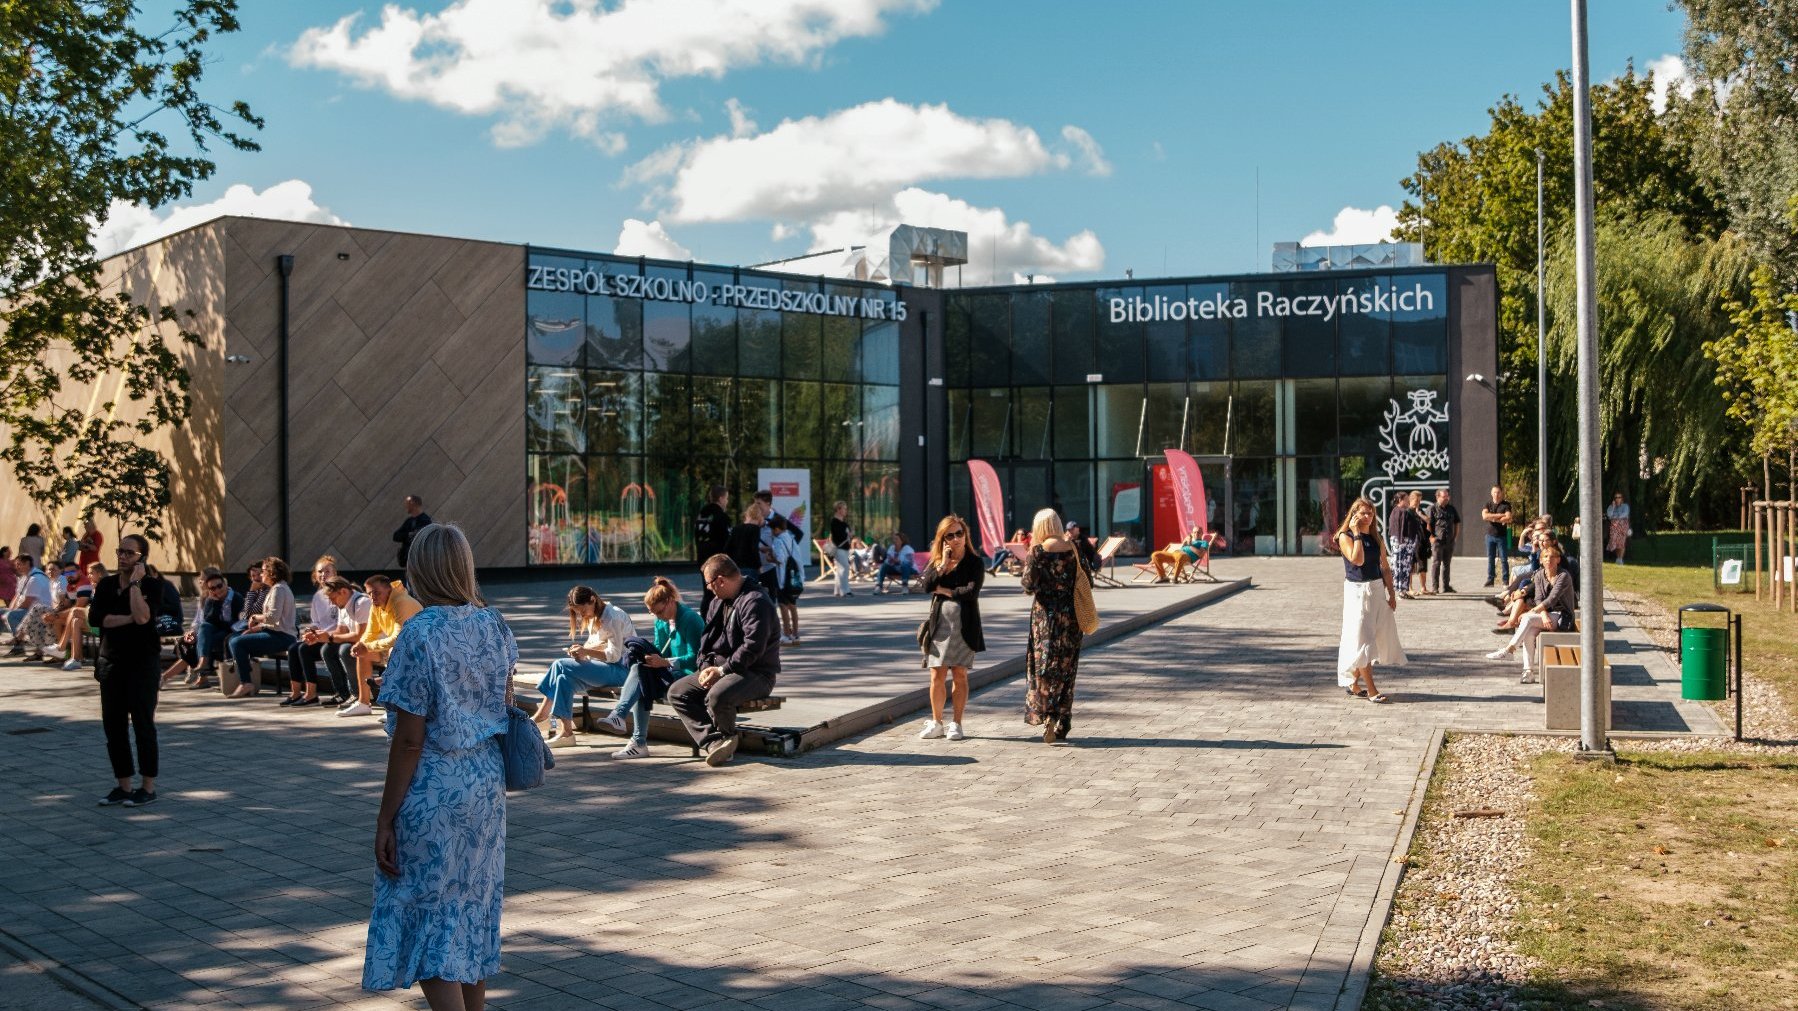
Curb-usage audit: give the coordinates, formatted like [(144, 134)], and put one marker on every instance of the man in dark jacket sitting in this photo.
[(739, 658)]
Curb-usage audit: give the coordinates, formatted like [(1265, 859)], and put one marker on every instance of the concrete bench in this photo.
[(670, 728), (1560, 687)]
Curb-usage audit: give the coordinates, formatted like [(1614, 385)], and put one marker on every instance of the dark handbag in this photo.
[(525, 753), (927, 627)]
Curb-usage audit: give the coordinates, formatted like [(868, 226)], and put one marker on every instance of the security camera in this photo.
[(1476, 378)]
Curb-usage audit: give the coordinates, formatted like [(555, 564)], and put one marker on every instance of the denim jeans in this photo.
[(890, 571), (568, 675), (15, 618), (246, 647), (634, 700), (209, 643), (302, 662), (342, 665), (1496, 557)]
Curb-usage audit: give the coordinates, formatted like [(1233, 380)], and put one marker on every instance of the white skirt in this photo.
[(1369, 631)]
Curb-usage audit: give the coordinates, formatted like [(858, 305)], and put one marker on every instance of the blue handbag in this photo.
[(525, 753)]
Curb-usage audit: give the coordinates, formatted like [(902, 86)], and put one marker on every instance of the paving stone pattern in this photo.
[(1216, 838)]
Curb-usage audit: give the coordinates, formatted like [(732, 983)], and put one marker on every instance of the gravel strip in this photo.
[(1765, 715), (1448, 944)]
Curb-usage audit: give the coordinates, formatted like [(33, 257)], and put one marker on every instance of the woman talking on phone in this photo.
[(951, 635), (1369, 631)]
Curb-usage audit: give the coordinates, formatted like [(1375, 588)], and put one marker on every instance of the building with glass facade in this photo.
[(570, 408)]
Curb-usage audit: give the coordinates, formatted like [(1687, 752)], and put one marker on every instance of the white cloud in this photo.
[(1670, 77), (1354, 226), (129, 225), (575, 65), (740, 123), (999, 250), (649, 238), (849, 159)]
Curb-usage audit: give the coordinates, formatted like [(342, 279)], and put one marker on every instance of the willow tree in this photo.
[(1667, 440), (1757, 367)]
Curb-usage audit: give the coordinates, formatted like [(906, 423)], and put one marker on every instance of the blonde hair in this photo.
[(660, 592), (440, 567), (1047, 524), (755, 512), (946, 524), (324, 560), (1349, 517)]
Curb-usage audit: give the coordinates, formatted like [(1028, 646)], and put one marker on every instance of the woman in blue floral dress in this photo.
[(440, 839)]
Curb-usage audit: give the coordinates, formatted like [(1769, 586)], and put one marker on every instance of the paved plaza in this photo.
[(1220, 836)]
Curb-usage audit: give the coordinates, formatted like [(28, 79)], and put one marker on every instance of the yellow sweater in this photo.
[(384, 622)]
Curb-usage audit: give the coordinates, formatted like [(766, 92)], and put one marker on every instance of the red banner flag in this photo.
[(989, 506), (1189, 491)]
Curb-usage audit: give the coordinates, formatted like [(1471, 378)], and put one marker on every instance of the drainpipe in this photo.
[(284, 263)]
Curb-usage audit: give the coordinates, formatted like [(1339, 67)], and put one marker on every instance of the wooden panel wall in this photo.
[(185, 272), (406, 376)]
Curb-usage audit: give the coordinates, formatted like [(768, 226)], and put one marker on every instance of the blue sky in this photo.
[(671, 114)]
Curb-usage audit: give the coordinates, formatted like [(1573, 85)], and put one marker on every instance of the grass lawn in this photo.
[(1669, 880), (1769, 637)]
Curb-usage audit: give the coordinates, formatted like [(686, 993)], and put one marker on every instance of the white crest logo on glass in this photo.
[(1410, 439)]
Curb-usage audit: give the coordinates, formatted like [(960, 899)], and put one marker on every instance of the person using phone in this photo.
[(670, 656), (127, 668)]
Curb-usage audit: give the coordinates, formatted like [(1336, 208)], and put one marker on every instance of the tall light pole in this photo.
[(1541, 355), (1592, 702)]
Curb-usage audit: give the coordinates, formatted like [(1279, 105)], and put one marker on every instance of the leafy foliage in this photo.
[(1474, 201), (1756, 365), (85, 87)]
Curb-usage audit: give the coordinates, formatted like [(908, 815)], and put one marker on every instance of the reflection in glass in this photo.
[(1309, 339), (1257, 507), (1314, 415), (714, 417), (1031, 417), (1252, 425), (554, 328), (1073, 488), (956, 353), (1030, 338), (1028, 491), (802, 406), (673, 496), (614, 412), (1419, 323), (880, 352), (667, 336), (557, 509), (1073, 423), (618, 511), (880, 415), (555, 410), (758, 343), (961, 420), (667, 400), (1366, 337), (990, 427), (1363, 404), (842, 343), (615, 333), (1320, 505), (800, 336), (841, 427), (1124, 500), (1117, 413), (1071, 321), (990, 339), (1210, 412), (714, 348), (758, 415), (1119, 345), (1165, 412)]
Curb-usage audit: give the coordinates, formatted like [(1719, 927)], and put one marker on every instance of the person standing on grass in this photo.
[(440, 836), (1369, 631), (1616, 527), (951, 634), (128, 669)]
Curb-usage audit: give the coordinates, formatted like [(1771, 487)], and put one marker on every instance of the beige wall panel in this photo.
[(400, 270), (467, 433), (320, 428), (322, 345), (473, 273), (322, 515), (489, 347), (248, 533), (390, 366)]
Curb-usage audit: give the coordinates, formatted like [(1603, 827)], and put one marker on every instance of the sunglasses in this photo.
[(955, 535)]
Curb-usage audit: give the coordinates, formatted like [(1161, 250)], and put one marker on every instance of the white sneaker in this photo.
[(356, 709), (952, 731), (72, 665), (1528, 678), (613, 723), (1499, 654), (932, 729), (55, 651), (632, 750)]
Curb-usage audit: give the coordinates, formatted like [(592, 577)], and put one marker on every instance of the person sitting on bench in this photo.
[(674, 654), (599, 662), (1177, 555), (899, 564), (739, 659), (1556, 604)]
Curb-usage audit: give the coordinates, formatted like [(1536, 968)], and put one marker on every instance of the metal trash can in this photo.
[(1704, 654)]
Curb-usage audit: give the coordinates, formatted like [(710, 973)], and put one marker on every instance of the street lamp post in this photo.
[(1592, 737), (1541, 355)]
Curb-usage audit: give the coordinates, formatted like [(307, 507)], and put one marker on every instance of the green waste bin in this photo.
[(1703, 655)]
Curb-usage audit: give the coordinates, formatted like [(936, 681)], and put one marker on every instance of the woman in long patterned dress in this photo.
[(440, 839), (1054, 655)]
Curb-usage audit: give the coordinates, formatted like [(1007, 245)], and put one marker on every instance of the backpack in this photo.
[(793, 579)]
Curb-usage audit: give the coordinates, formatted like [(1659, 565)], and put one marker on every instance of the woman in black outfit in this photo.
[(125, 609), (951, 635), (745, 543)]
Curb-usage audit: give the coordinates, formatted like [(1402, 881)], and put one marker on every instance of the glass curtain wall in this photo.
[(1295, 400), (635, 406)]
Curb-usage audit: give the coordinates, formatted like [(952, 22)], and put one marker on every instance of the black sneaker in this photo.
[(115, 798), (140, 797), (313, 701), (288, 701)]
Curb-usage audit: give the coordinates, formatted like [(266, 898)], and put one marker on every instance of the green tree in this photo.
[(1755, 365), (1743, 58), (1666, 439), (1474, 201), (87, 87)]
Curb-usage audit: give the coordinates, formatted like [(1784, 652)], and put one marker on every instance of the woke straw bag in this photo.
[(1084, 610), (522, 748)]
